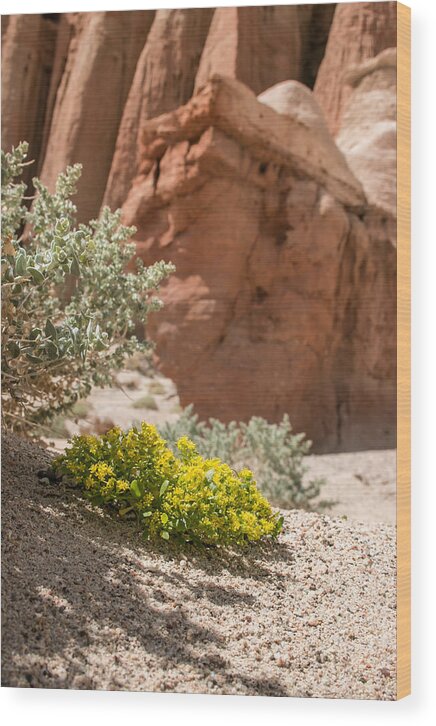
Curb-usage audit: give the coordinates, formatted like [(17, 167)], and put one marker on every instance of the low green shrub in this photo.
[(81, 409), (147, 402), (156, 387), (183, 496), (275, 454), (70, 303)]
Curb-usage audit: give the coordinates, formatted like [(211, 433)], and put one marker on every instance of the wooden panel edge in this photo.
[(403, 355)]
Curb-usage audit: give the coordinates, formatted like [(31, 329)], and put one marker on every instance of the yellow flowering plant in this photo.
[(181, 496)]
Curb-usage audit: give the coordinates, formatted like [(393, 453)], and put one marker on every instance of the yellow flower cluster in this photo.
[(185, 497), (101, 471), (186, 447)]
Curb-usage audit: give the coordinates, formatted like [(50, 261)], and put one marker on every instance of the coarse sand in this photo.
[(88, 605), (362, 484)]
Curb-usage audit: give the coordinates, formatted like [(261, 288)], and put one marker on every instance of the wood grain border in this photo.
[(403, 354)]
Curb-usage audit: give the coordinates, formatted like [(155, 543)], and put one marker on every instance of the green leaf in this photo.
[(75, 267), (35, 333), (135, 489), (50, 330), (21, 264), (38, 277), (62, 226), (14, 349), (165, 535), (99, 345), (147, 514), (52, 350), (163, 488)]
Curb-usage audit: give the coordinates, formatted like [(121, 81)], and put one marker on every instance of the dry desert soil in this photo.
[(88, 605)]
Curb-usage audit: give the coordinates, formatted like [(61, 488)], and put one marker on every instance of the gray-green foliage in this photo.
[(272, 451), (69, 305)]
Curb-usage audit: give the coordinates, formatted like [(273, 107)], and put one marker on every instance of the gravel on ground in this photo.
[(88, 605)]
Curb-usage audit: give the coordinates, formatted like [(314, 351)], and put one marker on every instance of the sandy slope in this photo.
[(87, 605), (362, 483)]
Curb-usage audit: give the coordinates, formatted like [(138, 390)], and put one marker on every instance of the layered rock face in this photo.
[(259, 46), (102, 57), (278, 211), (368, 134), (66, 26), (359, 31), (78, 86), (285, 275), (28, 48), (164, 79)]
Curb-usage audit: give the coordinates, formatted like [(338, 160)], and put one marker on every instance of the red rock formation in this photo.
[(101, 61), (4, 24), (27, 59), (315, 22), (360, 30), (164, 79), (284, 294), (368, 134), (257, 45), (66, 28)]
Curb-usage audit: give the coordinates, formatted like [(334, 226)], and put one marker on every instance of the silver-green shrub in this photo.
[(272, 451), (69, 303)]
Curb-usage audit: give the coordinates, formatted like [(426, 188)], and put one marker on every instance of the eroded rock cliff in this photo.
[(90, 98), (368, 133), (164, 79), (283, 236), (360, 30), (285, 274), (258, 45), (28, 49)]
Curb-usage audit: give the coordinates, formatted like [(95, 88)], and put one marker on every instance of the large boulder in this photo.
[(164, 79), (101, 61), (28, 47), (368, 133), (283, 300), (360, 30), (296, 100), (257, 45)]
